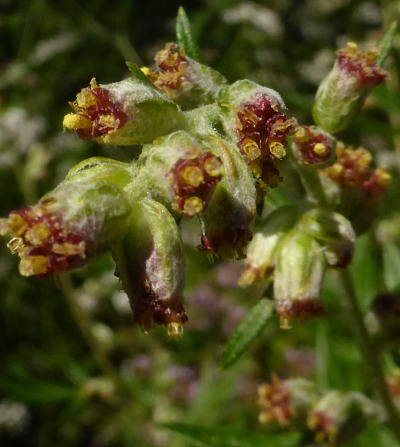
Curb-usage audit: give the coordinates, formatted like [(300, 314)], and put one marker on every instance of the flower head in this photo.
[(43, 241), (312, 146)]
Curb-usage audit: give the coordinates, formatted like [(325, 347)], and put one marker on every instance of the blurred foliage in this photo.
[(75, 370)]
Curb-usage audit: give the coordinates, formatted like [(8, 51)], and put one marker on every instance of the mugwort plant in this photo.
[(212, 151)]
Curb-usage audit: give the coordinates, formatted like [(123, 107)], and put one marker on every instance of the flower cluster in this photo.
[(312, 146), (43, 241), (352, 169)]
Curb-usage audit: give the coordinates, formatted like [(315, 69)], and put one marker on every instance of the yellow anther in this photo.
[(336, 170), (284, 323), (192, 175), (85, 99), (277, 149), (301, 135), (4, 227), (193, 206), (250, 115), (108, 121), (320, 149), (175, 330), (383, 177), (15, 245), (145, 70), (38, 234), (352, 46), (93, 83), (33, 265), (247, 278), (213, 167), (73, 121), (17, 224), (251, 149), (365, 159), (68, 249), (256, 168)]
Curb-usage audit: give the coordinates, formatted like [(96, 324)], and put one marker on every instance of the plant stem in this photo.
[(84, 325), (370, 353)]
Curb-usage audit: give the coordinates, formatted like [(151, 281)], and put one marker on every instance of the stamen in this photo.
[(251, 149), (277, 149), (73, 121), (33, 265), (320, 149), (213, 167), (193, 206), (175, 330), (192, 175)]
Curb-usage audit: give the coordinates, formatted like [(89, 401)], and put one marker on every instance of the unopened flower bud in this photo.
[(227, 219), (334, 232), (123, 113), (299, 272), (255, 118), (313, 147), (181, 173), (286, 402), (260, 257), (342, 93), (183, 79), (151, 265), (339, 417), (72, 223)]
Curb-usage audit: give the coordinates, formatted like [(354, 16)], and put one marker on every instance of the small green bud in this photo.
[(151, 265), (334, 232), (260, 258), (313, 147), (123, 113), (299, 272), (286, 402), (227, 219), (339, 417), (342, 93), (186, 81), (181, 173), (70, 224)]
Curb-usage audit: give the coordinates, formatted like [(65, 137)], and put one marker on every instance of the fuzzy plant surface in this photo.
[(211, 152)]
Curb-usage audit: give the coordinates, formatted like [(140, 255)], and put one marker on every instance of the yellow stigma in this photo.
[(213, 167), (320, 149), (72, 121), (251, 149), (192, 206), (38, 234), (108, 121), (192, 175), (85, 99), (17, 224), (277, 149), (33, 265), (175, 330), (16, 245)]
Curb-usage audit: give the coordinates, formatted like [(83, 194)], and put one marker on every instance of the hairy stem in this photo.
[(370, 353)]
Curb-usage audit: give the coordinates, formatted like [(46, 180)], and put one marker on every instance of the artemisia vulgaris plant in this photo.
[(211, 151)]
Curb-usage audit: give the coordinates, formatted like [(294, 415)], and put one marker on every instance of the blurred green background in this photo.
[(74, 369)]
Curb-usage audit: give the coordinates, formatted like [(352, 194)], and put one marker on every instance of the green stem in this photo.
[(313, 186), (370, 353), (84, 325)]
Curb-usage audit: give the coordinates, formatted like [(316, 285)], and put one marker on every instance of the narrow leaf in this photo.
[(385, 44), (184, 35), (230, 437), (248, 329), (138, 74), (391, 265)]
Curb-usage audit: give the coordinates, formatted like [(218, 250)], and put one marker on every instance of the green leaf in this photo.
[(229, 437), (185, 37), (385, 44), (138, 73), (391, 265), (248, 329)]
